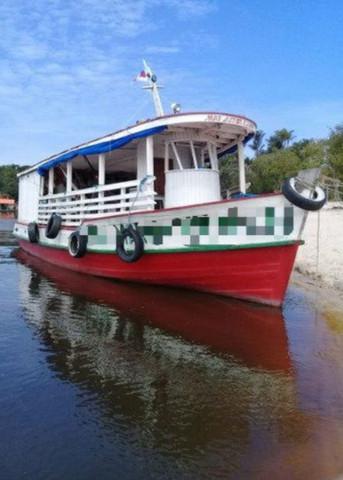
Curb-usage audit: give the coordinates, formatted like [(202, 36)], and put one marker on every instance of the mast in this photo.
[(148, 76)]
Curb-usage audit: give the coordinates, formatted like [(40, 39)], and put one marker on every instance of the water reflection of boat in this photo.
[(252, 334)]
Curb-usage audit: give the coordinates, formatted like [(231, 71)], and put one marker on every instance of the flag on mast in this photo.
[(145, 75)]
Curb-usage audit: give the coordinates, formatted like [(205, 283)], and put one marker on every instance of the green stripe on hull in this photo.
[(192, 248)]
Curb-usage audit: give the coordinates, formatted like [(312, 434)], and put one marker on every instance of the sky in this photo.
[(67, 67)]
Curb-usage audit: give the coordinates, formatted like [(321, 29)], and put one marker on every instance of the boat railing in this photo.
[(96, 202)]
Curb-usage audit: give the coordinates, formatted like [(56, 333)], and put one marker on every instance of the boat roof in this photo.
[(227, 129)]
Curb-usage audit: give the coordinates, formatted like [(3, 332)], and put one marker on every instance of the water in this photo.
[(6, 227), (107, 380)]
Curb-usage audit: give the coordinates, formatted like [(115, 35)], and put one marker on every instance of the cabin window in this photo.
[(60, 180), (45, 184), (180, 155)]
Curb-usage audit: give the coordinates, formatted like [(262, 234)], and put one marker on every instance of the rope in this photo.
[(318, 244)]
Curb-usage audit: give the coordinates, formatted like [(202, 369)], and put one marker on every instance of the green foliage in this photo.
[(267, 171), (311, 153), (257, 144), (280, 139), (229, 177), (8, 179), (335, 151), (269, 168)]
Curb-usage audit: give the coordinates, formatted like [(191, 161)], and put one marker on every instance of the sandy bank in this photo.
[(321, 257)]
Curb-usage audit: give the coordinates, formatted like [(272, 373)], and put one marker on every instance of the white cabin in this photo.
[(170, 161)]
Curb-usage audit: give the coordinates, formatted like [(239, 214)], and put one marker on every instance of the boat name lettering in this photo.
[(215, 117)]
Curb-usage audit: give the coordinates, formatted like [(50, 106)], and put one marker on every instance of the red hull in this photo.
[(257, 274)]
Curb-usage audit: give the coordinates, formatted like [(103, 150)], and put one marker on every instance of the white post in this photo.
[(176, 155), (69, 176), (209, 154), (149, 156), (241, 165), (41, 186), (101, 174), (101, 169), (154, 90), (166, 156), (157, 100), (215, 156), (51, 181), (194, 154)]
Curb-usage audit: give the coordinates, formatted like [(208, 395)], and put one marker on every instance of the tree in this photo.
[(335, 151), (311, 153), (258, 143), (267, 172), (280, 139), (8, 179), (229, 176)]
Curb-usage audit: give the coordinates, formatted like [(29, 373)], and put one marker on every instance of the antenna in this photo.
[(147, 75)]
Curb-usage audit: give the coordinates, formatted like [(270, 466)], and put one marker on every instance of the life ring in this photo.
[(54, 226), (300, 199), (33, 232), (77, 244), (136, 241)]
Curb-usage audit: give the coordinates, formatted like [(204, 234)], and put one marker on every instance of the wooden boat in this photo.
[(144, 204)]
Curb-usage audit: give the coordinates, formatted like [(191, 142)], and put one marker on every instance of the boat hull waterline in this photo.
[(258, 274)]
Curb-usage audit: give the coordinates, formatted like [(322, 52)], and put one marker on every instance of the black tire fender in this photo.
[(53, 226), (132, 234), (299, 200), (33, 232), (77, 244)]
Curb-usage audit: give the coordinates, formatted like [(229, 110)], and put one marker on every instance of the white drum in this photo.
[(191, 186)]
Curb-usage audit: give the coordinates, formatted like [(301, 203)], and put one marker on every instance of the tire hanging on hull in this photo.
[(77, 244), (134, 237), (53, 226), (299, 200), (33, 232)]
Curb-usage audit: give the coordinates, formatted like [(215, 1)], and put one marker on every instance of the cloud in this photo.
[(162, 49), (187, 8), (66, 66)]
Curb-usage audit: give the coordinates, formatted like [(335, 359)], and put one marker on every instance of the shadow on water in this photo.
[(183, 384)]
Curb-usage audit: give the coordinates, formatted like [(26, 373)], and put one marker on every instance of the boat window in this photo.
[(180, 155), (45, 184), (60, 181)]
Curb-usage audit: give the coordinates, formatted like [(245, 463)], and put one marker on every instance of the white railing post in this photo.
[(150, 168), (69, 176), (241, 165), (101, 169), (150, 155), (101, 175), (51, 181), (166, 156), (78, 205), (122, 193), (41, 185)]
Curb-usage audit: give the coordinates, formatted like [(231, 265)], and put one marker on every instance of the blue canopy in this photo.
[(103, 147)]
